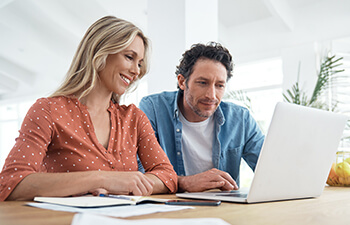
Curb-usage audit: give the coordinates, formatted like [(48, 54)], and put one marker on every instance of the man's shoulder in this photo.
[(232, 108), (165, 96)]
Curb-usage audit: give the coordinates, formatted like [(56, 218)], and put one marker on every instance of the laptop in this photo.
[(295, 159)]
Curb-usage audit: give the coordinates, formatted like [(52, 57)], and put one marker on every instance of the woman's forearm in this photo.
[(56, 184), (159, 187), (77, 183)]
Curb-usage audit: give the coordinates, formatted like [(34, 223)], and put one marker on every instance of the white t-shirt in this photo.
[(197, 143)]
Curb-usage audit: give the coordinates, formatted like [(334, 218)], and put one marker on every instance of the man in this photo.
[(203, 137)]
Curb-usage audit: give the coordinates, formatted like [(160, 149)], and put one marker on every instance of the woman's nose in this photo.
[(135, 69)]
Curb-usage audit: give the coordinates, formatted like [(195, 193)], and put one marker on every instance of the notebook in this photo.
[(295, 159), (89, 201)]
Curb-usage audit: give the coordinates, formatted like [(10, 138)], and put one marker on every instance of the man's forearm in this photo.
[(182, 183)]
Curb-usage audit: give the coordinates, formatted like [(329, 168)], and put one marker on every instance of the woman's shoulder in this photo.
[(54, 102), (41, 102)]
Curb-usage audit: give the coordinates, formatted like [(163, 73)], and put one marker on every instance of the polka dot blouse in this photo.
[(57, 135)]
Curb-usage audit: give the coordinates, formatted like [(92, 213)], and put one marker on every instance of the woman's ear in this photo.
[(181, 81)]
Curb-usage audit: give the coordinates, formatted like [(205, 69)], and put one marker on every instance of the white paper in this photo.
[(115, 211), (90, 219)]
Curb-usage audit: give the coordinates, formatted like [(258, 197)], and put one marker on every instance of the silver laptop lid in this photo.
[(297, 154)]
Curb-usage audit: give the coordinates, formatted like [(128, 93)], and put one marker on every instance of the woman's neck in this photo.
[(97, 101)]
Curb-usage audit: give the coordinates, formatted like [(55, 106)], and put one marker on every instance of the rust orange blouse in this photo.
[(57, 135)]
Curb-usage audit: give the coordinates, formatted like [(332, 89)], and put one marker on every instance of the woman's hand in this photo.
[(126, 183)]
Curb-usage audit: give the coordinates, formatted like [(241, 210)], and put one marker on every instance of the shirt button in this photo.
[(178, 130), (178, 153)]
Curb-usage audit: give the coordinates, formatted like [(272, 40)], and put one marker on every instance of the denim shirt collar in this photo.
[(176, 107), (219, 116)]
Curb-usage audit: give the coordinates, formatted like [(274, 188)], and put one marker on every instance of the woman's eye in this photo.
[(129, 57)]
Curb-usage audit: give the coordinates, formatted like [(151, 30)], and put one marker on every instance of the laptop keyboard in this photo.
[(240, 195)]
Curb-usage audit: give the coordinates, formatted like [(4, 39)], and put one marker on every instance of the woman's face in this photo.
[(123, 67)]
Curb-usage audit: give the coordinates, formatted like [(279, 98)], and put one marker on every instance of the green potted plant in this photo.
[(328, 72)]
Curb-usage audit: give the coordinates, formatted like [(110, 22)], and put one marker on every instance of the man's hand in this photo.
[(210, 179)]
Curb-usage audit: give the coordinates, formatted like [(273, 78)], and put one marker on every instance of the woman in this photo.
[(80, 140)]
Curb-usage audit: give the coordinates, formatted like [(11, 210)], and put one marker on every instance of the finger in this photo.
[(230, 182), (149, 188), (203, 186), (227, 186), (219, 175), (149, 179), (144, 185), (207, 180), (143, 190), (136, 191), (101, 191), (132, 184), (98, 191), (214, 185), (148, 184)]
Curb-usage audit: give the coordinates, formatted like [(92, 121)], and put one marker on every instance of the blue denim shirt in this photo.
[(237, 134)]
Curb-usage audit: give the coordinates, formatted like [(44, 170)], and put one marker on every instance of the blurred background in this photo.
[(274, 43)]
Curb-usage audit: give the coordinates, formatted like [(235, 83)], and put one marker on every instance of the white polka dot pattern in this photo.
[(57, 135)]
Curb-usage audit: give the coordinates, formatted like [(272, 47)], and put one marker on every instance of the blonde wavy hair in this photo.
[(108, 35)]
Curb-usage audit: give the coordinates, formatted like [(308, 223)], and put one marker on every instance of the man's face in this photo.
[(204, 90)]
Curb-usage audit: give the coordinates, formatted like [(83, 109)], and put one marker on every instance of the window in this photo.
[(340, 93), (261, 82)]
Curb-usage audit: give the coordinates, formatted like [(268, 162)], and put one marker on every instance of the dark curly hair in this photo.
[(213, 51)]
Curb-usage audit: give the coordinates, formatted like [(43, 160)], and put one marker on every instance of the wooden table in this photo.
[(333, 207)]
